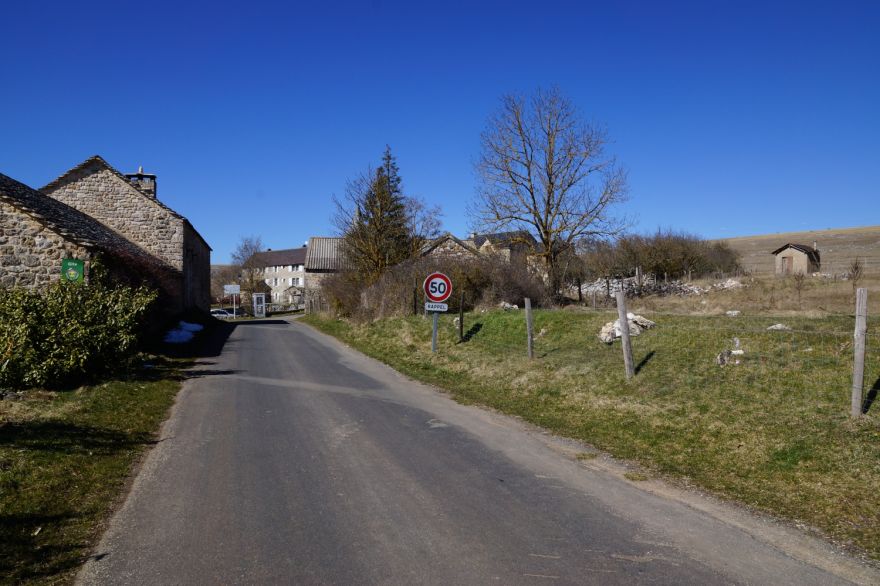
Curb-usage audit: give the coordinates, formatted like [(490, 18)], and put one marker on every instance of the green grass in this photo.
[(772, 432), (64, 460)]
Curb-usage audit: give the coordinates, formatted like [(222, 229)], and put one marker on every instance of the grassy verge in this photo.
[(64, 459), (771, 432)]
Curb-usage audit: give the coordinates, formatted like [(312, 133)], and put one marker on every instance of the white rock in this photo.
[(611, 331), (732, 313), (779, 327)]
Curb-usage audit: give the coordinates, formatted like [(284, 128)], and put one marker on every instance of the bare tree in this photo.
[(249, 269), (543, 169), (856, 272), (800, 281)]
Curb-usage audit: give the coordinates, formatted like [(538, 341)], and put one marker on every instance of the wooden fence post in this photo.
[(624, 334), (529, 332), (461, 318), (859, 351)]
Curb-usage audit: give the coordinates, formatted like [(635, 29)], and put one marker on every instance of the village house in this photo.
[(128, 205), (792, 259), (38, 233), (284, 272), (323, 258), (507, 245)]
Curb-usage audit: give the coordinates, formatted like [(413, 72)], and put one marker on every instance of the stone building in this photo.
[(284, 272), (128, 205), (37, 232), (507, 245), (323, 258), (792, 259), (448, 246)]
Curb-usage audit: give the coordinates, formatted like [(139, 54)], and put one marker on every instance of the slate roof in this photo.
[(69, 223), (96, 159), (427, 248), (811, 252), (513, 239), (323, 254), (276, 258)]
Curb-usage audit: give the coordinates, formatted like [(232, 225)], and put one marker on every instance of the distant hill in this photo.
[(837, 248)]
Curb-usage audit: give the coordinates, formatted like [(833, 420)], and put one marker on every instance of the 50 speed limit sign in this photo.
[(437, 287)]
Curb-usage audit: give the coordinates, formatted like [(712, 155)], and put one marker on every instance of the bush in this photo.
[(68, 333), (664, 253), (484, 280)]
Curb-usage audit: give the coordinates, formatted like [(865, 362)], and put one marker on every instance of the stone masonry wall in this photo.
[(196, 271), (30, 254), (96, 191)]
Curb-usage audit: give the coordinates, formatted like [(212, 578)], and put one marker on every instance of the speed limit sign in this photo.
[(437, 287)]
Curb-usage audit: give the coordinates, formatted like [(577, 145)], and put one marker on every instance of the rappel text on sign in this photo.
[(430, 306)]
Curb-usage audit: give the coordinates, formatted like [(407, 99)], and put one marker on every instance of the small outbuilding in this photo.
[(797, 258)]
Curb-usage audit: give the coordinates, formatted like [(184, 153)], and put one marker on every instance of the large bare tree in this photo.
[(543, 169), (251, 277)]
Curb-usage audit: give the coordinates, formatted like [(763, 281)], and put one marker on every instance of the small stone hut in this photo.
[(792, 259)]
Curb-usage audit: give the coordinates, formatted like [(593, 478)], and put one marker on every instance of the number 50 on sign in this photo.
[(437, 287)]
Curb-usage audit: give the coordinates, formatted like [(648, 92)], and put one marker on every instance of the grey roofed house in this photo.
[(515, 240), (448, 245), (323, 254), (38, 231), (276, 258)]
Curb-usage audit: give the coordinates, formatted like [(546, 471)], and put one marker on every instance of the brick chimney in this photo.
[(146, 182)]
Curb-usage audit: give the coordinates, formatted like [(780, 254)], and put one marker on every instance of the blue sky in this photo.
[(733, 118)]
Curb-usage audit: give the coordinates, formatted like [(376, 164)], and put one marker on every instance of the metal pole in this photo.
[(434, 332)]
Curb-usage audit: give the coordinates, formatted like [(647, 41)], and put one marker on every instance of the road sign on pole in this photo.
[(437, 288)]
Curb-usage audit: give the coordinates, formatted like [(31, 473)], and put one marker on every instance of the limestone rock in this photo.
[(779, 327), (611, 331)]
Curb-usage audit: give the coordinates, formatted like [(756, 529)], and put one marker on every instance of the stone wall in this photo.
[(196, 271), (110, 199), (30, 254)]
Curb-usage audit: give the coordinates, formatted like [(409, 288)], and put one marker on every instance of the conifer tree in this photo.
[(377, 235)]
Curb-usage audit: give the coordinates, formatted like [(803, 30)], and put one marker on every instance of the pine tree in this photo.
[(378, 236)]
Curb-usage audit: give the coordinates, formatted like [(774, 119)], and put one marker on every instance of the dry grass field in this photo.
[(838, 248), (818, 297)]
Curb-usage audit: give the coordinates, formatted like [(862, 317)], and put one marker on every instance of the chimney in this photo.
[(146, 182)]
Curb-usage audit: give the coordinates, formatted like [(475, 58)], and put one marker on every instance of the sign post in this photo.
[(438, 288), (232, 290)]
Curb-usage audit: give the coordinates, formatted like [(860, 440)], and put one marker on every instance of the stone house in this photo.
[(128, 205), (323, 258), (37, 232), (448, 246), (507, 245), (792, 259), (284, 272)]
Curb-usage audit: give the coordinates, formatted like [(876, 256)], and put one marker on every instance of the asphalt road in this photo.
[(291, 459)]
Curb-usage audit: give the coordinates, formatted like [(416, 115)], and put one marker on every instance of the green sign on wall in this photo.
[(72, 270)]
